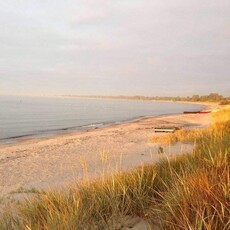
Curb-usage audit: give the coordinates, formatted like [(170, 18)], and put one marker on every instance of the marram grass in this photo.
[(187, 192)]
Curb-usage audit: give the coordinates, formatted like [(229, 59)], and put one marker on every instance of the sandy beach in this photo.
[(56, 161)]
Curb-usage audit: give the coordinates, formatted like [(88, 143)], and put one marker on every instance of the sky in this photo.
[(116, 47)]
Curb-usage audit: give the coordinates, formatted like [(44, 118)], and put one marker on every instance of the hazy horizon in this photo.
[(99, 47)]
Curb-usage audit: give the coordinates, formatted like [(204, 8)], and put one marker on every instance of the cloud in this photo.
[(151, 44)]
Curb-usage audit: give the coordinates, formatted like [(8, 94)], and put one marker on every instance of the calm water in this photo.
[(31, 116)]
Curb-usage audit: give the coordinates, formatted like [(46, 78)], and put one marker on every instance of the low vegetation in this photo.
[(183, 135), (187, 192), (191, 136)]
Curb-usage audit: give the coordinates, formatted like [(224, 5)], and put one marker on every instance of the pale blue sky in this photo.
[(128, 47)]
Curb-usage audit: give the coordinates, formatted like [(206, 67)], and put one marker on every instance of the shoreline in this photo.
[(53, 162), (72, 131), (14, 140)]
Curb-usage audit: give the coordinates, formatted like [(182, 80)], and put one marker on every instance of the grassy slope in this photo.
[(188, 192)]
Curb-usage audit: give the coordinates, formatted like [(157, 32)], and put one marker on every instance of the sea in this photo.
[(28, 117)]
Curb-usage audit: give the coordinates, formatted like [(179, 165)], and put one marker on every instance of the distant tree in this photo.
[(215, 97), (204, 98), (195, 98)]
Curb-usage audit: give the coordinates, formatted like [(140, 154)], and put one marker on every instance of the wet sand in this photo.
[(56, 161)]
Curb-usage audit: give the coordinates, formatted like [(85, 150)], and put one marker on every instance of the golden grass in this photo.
[(183, 135), (222, 115), (187, 192), (189, 136)]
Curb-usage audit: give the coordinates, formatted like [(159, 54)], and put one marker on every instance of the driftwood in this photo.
[(165, 129)]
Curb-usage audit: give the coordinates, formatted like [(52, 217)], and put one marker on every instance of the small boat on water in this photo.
[(191, 112), (198, 112)]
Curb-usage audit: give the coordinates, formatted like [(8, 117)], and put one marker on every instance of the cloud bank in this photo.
[(115, 47)]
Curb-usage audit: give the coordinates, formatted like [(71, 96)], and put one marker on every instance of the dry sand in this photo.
[(55, 161)]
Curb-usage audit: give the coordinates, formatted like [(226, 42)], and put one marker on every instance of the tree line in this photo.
[(212, 97)]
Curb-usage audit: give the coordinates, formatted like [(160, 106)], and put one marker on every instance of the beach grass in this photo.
[(191, 135), (186, 192)]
